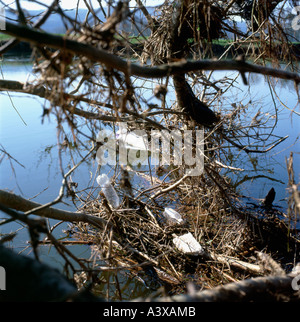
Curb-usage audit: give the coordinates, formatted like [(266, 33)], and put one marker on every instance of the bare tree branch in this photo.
[(16, 202), (30, 280), (113, 61), (254, 289), (19, 87), (14, 41)]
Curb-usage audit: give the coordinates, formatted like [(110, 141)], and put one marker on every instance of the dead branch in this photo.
[(30, 280), (40, 91), (14, 41), (113, 61), (16, 202), (254, 289)]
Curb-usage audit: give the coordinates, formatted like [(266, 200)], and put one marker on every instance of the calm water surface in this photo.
[(38, 175)]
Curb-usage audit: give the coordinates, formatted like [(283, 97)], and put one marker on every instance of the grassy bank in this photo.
[(137, 43), (4, 37)]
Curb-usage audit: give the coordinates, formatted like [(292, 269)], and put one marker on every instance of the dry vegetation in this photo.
[(238, 242)]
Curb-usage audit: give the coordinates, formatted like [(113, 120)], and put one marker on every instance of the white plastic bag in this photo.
[(188, 244)]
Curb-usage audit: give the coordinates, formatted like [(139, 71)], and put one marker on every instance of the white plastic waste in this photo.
[(188, 244), (132, 140), (108, 190), (172, 216)]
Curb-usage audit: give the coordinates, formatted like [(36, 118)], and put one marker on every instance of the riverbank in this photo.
[(23, 49), (20, 50)]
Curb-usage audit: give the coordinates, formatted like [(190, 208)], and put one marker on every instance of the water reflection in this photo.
[(264, 171), (37, 174), (35, 145)]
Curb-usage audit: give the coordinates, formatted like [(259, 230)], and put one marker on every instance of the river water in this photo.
[(37, 173)]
